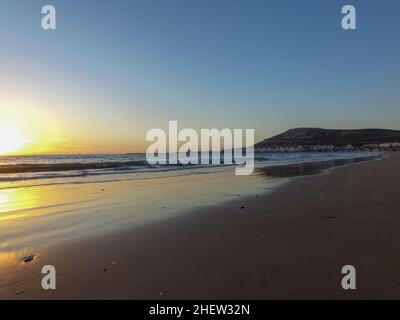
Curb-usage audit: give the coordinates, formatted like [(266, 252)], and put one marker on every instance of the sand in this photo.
[(290, 243)]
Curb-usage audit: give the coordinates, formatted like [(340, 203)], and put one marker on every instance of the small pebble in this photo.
[(19, 292), (28, 259), (242, 207)]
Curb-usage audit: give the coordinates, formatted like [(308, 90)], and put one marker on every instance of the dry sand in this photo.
[(288, 244)]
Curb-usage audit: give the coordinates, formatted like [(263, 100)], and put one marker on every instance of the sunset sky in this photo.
[(112, 70)]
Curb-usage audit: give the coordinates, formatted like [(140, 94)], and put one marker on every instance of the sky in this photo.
[(112, 70)]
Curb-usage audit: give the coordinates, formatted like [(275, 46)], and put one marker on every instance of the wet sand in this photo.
[(288, 244)]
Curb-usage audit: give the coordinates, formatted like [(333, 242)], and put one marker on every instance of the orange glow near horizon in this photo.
[(11, 140), (32, 128), (26, 128)]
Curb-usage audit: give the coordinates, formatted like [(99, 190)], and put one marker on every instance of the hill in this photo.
[(307, 137)]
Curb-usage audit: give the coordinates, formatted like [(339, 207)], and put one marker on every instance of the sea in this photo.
[(26, 171)]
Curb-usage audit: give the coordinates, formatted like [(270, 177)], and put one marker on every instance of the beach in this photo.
[(288, 242)]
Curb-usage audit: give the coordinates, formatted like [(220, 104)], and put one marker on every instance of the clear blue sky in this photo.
[(118, 68)]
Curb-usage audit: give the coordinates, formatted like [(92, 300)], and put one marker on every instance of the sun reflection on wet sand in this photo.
[(37, 216), (13, 202)]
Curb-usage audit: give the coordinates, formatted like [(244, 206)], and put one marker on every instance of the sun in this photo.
[(11, 141)]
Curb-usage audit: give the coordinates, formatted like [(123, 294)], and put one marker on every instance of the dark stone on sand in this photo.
[(28, 259)]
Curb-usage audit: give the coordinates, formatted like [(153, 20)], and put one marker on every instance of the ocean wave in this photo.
[(43, 170), (57, 167)]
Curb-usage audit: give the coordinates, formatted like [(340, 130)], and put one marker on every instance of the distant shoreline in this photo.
[(319, 139)]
